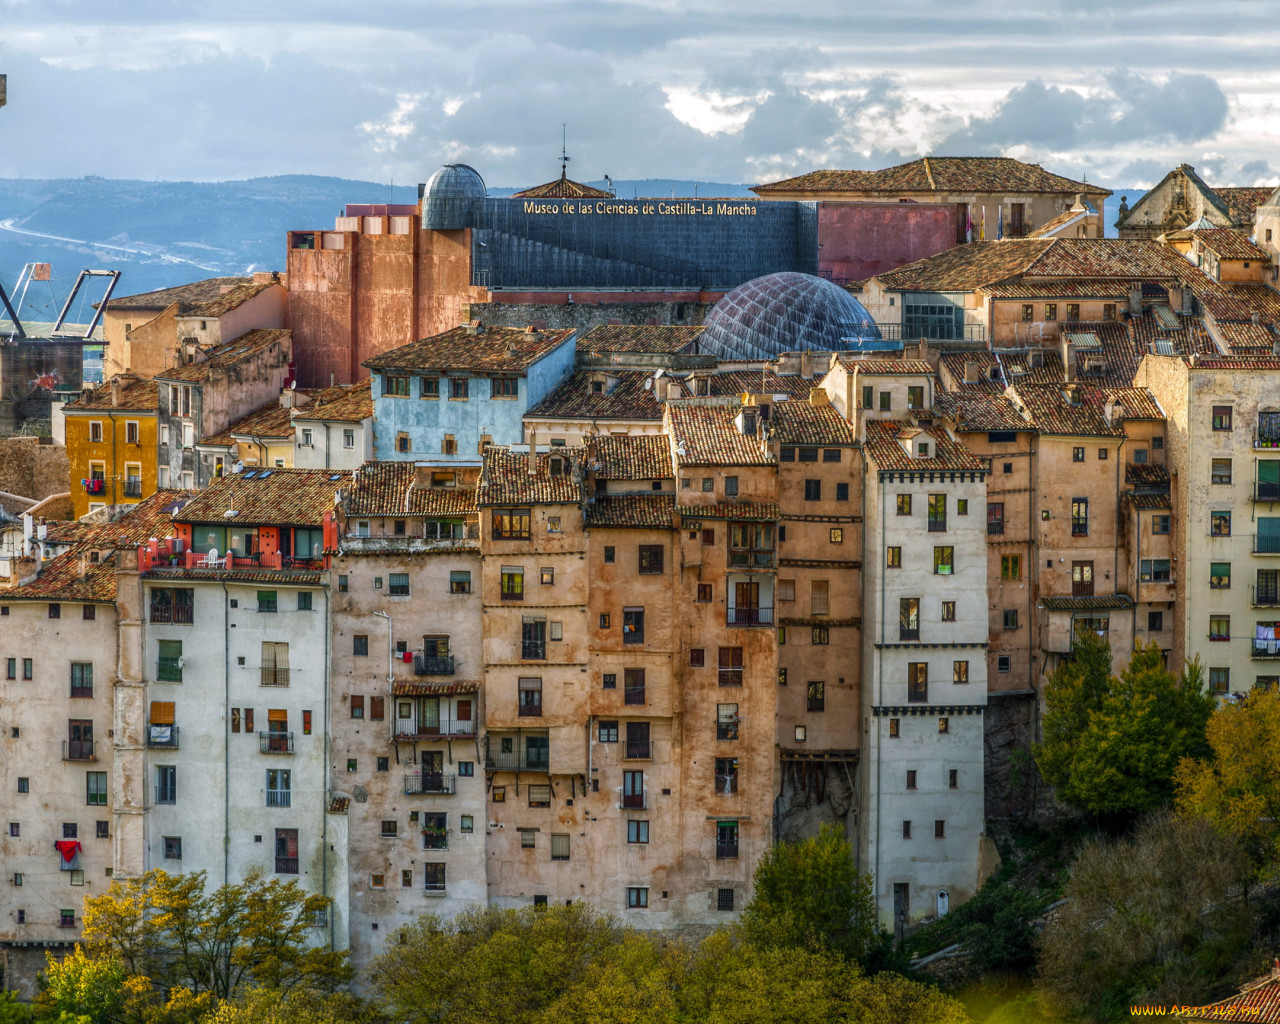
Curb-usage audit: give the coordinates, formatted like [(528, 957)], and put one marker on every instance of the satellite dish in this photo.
[(293, 384), (648, 384), (237, 466)]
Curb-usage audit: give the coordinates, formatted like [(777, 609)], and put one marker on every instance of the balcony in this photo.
[(945, 330), (1080, 528), (417, 782), (275, 742), (751, 558), (434, 888), (637, 750), (178, 614), (907, 633), (533, 650), (633, 802), (286, 865), (1265, 651), (758, 616), (995, 529), (410, 545), (162, 737), (94, 486), (169, 670), (432, 665), (726, 850), (441, 728), (79, 750), (435, 839), (1266, 544), (81, 690), (1264, 597), (1266, 491), (279, 798), (275, 676), (726, 784), (937, 526), (534, 760)]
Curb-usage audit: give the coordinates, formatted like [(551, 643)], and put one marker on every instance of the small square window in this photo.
[(939, 829), (528, 840), (637, 897), (893, 558), (24, 784), (895, 728), (724, 899), (343, 584), (466, 823), (1102, 454), (948, 611), (548, 577), (604, 620), (390, 829), (704, 592), (1003, 663), (708, 484), (406, 878), (610, 681), (466, 769), (608, 554), (377, 881), (944, 725), (697, 657), (1222, 417), (352, 764), (1077, 454), (173, 848), (1220, 471), (837, 535), (553, 524), (384, 764)]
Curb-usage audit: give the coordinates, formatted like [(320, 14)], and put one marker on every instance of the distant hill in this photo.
[(165, 233)]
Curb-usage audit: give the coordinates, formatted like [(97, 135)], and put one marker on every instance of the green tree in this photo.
[(1111, 745), (1159, 918), (300, 1006), (12, 1010), (80, 989), (809, 895), (1237, 787)]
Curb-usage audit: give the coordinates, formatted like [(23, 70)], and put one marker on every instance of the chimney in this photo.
[(474, 327), (1256, 318), (818, 398), (115, 391), (661, 386), (971, 371), (1135, 299), (806, 365), (533, 450)]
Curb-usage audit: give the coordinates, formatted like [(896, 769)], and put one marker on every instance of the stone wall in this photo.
[(32, 469)]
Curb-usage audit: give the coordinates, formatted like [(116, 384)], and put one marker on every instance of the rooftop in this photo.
[(1242, 202), (973, 409), (188, 296), (627, 399), (295, 497), (660, 339), (342, 403), (390, 489), (706, 435), (271, 420), (562, 188), (244, 348), (230, 300), (1229, 244), (746, 511), (631, 511), (638, 457), (798, 422), (491, 349), (1052, 412), (885, 450), (886, 367), (506, 478), (963, 174), (136, 395)]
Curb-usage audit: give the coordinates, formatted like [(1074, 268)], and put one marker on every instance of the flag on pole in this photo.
[(1000, 223), (968, 222), (982, 229)]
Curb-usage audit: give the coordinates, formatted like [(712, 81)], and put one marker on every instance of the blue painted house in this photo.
[(443, 398)]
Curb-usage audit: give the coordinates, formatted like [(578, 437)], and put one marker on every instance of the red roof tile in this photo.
[(292, 497), (270, 421), (706, 435), (628, 399), (136, 395), (964, 174), (1229, 244), (1052, 413), (884, 449), (631, 511), (1243, 202), (388, 489), (659, 339), (951, 367), (965, 268), (506, 480), (244, 348), (187, 296), (1247, 338), (636, 457), (229, 300), (343, 403), (978, 410), (757, 512), (798, 422), (886, 367), (562, 188), (1138, 403), (494, 349)]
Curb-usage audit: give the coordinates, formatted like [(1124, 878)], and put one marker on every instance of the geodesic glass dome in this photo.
[(785, 312)]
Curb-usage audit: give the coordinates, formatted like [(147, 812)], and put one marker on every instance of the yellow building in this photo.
[(111, 436)]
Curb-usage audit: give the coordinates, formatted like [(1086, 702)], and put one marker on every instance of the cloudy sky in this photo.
[(727, 90)]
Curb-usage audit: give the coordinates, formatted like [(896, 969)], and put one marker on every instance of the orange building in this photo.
[(111, 436)]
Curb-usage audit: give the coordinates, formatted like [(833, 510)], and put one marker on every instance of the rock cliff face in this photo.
[(31, 469), (1014, 788)]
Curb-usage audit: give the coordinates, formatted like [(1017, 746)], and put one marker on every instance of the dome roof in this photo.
[(784, 312), (455, 181)]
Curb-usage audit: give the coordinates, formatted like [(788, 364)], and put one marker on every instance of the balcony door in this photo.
[(1082, 579)]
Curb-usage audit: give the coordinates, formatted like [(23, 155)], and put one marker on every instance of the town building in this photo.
[(111, 433), (335, 429), (1181, 198)]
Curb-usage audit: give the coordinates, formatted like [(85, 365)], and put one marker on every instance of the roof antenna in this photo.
[(564, 153)]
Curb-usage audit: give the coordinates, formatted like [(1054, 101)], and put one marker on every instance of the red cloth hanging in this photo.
[(68, 848), (408, 655)]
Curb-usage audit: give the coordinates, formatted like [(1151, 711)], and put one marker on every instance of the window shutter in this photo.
[(277, 715), (377, 707), (162, 712), (464, 711)]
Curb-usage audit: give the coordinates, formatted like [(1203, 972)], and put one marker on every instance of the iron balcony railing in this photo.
[(536, 760), (434, 887), (726, 784), (761, 616), (279, 798), (179, 614), (1266, 544), (435, 839), (166, 794), (432, 783), (633, 801), (432, 665), (432, 729), (726, 851), (1266, 491), (162, 737), (276, 742), (633, 694), (533, 650), (286, 865), (937, 331), (1265, 651), (1264, 597), (755, 558), (79, 750), (634, 750), (133, 489), (937, 526), (995, 528)]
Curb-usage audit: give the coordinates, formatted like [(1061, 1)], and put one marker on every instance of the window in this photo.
[(948, 611), (1220, 524), (842, 492), (915, 397), (939, 829), (650, 559), (937, 513), (357, 706), (1155, 622), (1222, 417), (724, 899), (1082, 579), (816, 696), (943, 560), (820, 636), (704, 592), (1011, 567), (511, 524), (466, 823), (530, 697), (730, 666), (377, 708), (1220, 471), (893, 558), (55, 611), (831, 455), (1160, 524), (731, 486), (726, 775), (1219, 680), (885, 402), (504, 387), (360, 646), (1073, 311), (395, 387), (918, 682), (279, 787), (608, 732), (286, 851), (95, 431), (944, 725), (348, 439), (1219, 573), (1077, 454), (818, 593), (708, 484), (275, 664), (1028, 312), (512, 583), (906, 830), (637, 832), (633, 686), (266, 600), (726, 722), (836, 535), (559, 846), (808, 454), (813, 490), (459, 388), (609, 681), (81, 679), (1010, 618), (637, 897), (633, 789), (1003, 663), (166, 784), (398, 584), (1219, 627), (960, 672), (96, 789), (11, 668), (633, 625), (909, 618), (27, 668), (173, 848), (1079, 517)]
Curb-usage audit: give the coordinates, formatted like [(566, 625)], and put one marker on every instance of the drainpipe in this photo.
[(326, 446), (880, 675), (324, 830), (114, 497), (226, 735)]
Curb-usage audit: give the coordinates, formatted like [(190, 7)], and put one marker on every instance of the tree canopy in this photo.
[(1111, 745)]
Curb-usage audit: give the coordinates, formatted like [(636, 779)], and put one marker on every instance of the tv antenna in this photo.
[(564, 152)]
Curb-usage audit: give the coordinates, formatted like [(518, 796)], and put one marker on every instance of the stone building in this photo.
[(1183, 198), (111, 434)]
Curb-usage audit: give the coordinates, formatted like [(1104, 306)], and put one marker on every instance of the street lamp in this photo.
[(902, 925)]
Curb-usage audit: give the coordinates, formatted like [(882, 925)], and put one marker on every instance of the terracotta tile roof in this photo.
[(135, 396), (1258, 1001), (979, 411), (186, 295), (1151, 336), (283, 577), (505, 479), (562, 188), (1086, 604), (661, 339), (1055, 224), (737, 382), (228, 301), (343, 403), (1138, 403), (1053, 414), (387, 489), (756, 512), (637, 457), (1110, 257), (494, 349), (1238, 301), (629, 399), (966, 267), (1149, 501), (293, 497), (631, 511), (1259, 362), (422, 688), (1248, 338), (951, 366), (1229, 244), (1058, 288), (1018, 369), (60, 580), (886, 452), (886, 367), (1243, 202), (339, 804), (798, 422), (1146, 474), (706, 435), (964, 174), (272, 420), (244, 348)]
